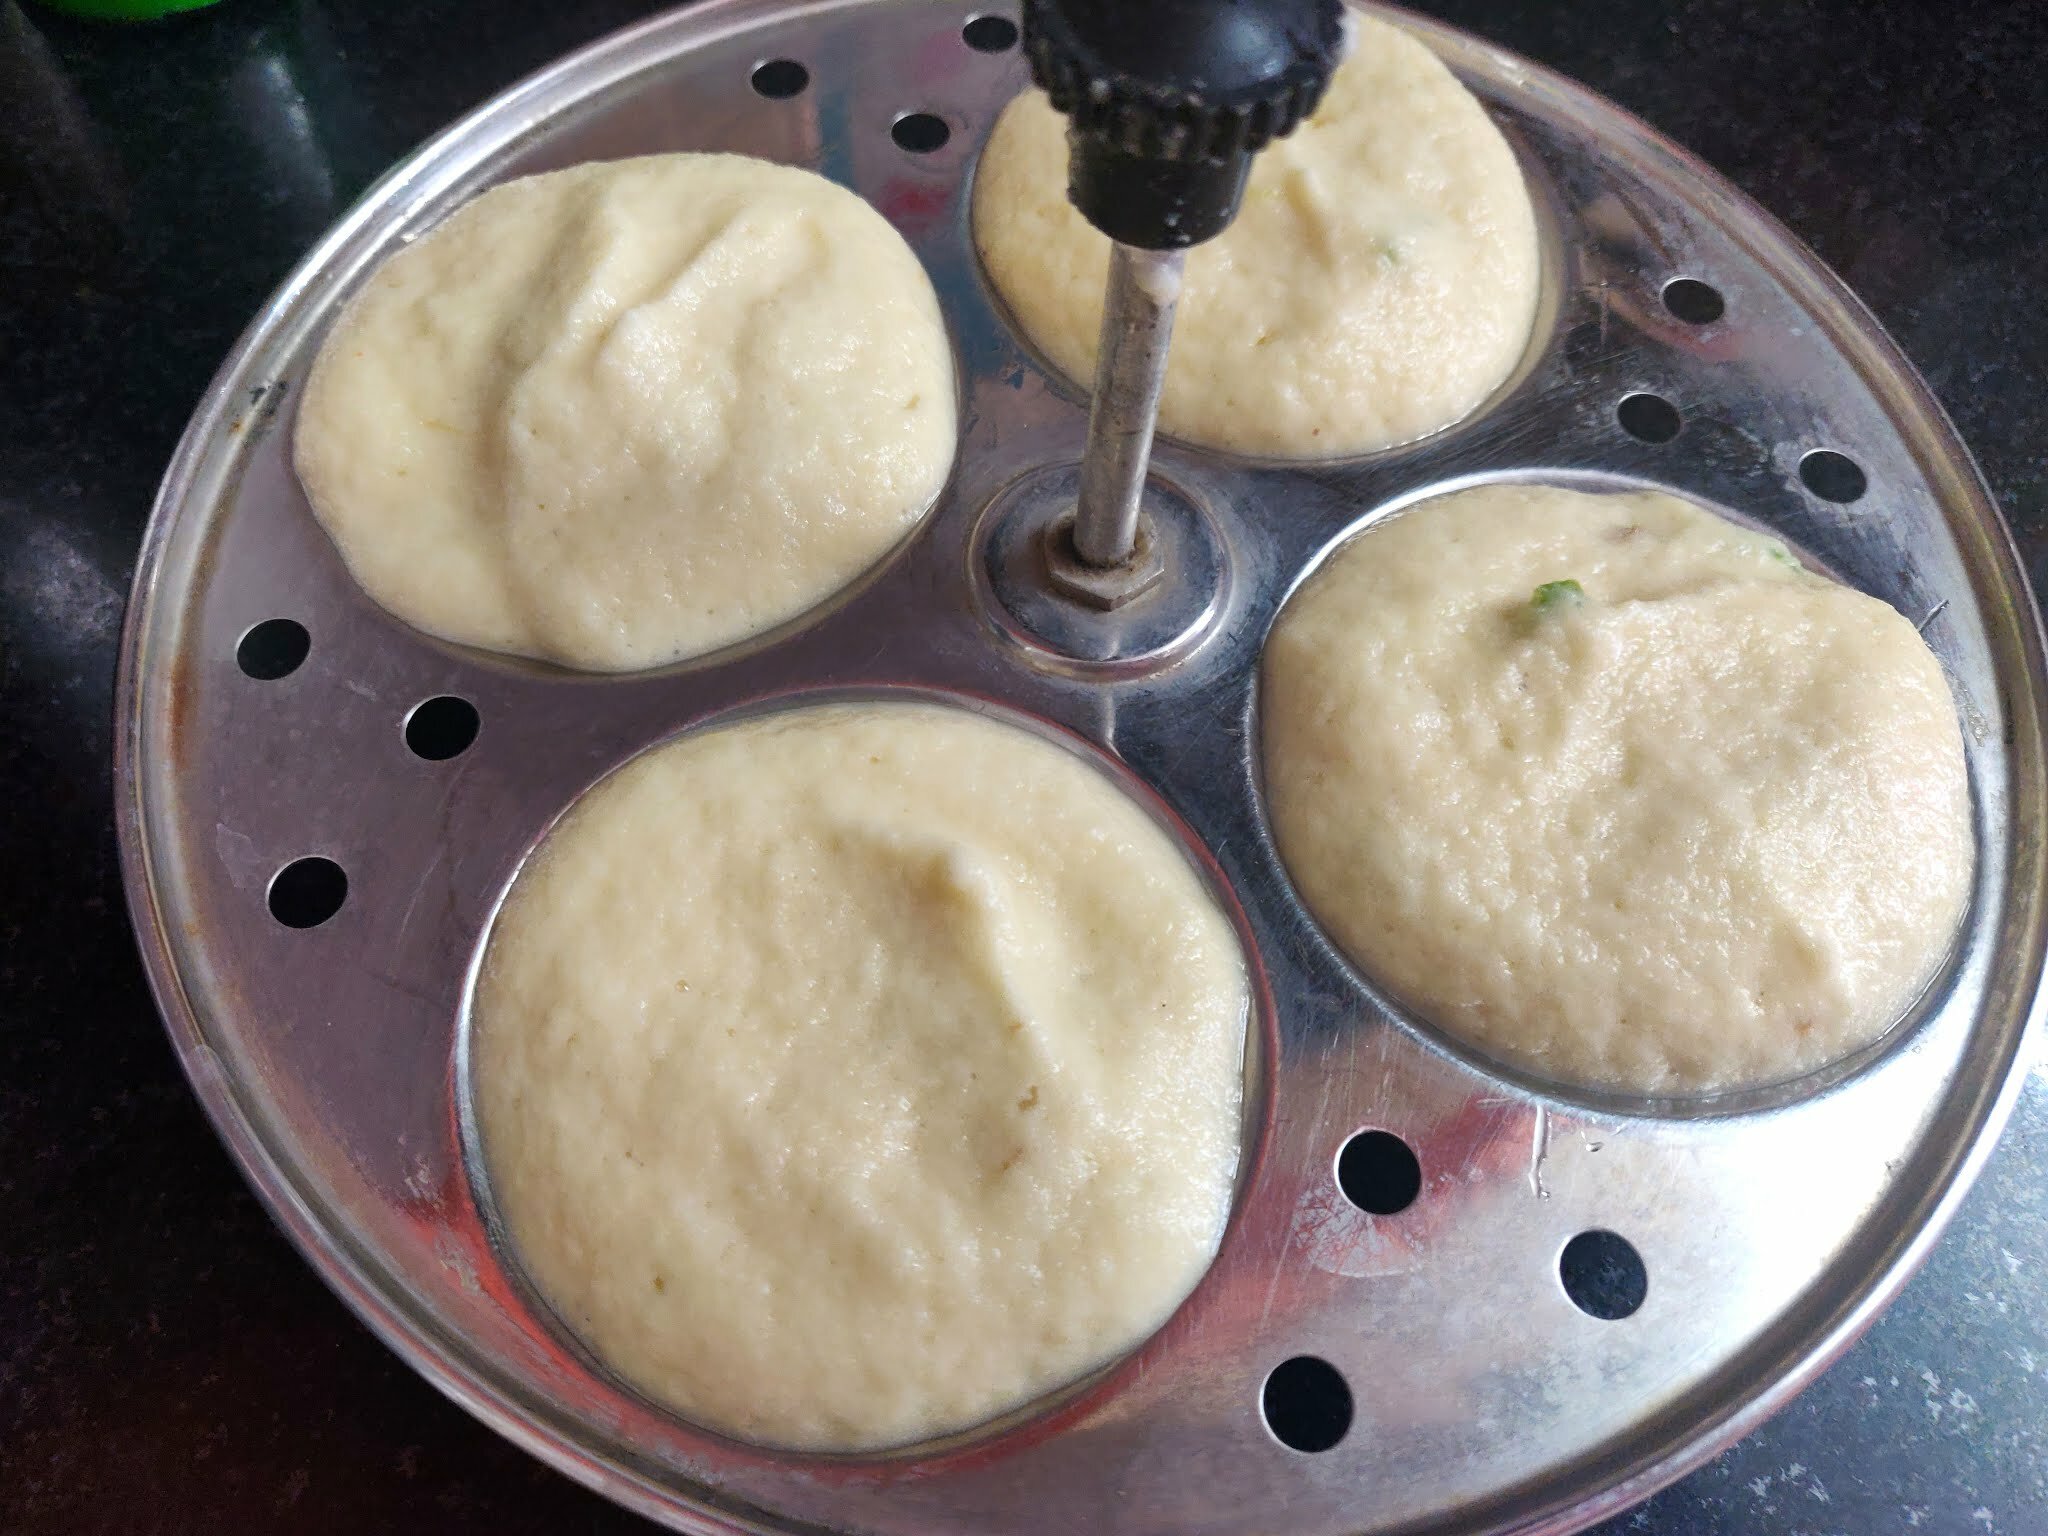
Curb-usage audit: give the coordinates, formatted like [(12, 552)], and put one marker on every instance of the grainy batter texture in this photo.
[(1380, 282), (630, 412), (1615, 789), (851, 1075)]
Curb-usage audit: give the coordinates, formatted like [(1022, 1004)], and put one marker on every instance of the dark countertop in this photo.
[(166, 1362)]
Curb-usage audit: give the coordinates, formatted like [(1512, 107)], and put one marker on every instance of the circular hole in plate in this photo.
[(1649, 418), (780, 79), (990, 34), (273, 649), (1379, 1173), (1307, 1404), (307, 892), (1603, 1274), (920, 132), (1833, 476), (441, 728), (1694, 302)]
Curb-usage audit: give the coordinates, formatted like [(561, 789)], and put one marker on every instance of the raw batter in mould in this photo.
[(851, 1075), (1615, 789), (1379, 284), (630, 412)]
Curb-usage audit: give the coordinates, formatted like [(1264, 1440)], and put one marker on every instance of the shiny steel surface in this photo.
[(1772, 1227)]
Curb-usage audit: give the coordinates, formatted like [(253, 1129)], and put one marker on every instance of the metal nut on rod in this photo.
[(1102, 586)]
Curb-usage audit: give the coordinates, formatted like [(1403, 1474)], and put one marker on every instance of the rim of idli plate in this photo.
[(1482, 1397)]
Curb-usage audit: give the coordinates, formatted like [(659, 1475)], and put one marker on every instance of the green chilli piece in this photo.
[(1555, 597)]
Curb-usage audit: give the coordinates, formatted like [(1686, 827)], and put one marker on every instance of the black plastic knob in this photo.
[(1168, 101)]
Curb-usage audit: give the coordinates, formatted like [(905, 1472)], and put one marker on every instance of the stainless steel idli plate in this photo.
[(1772, 1227)]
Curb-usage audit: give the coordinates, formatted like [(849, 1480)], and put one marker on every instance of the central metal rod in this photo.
[(1130, 370)]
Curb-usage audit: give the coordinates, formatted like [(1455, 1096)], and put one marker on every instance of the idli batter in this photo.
[(1380, 282), (630, 412), (850, 1075), (1615, 789)]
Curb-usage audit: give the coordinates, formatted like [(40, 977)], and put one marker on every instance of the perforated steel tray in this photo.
[(1772, 1226)]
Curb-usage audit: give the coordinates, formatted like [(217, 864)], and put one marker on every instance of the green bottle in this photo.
[(126, 10)]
